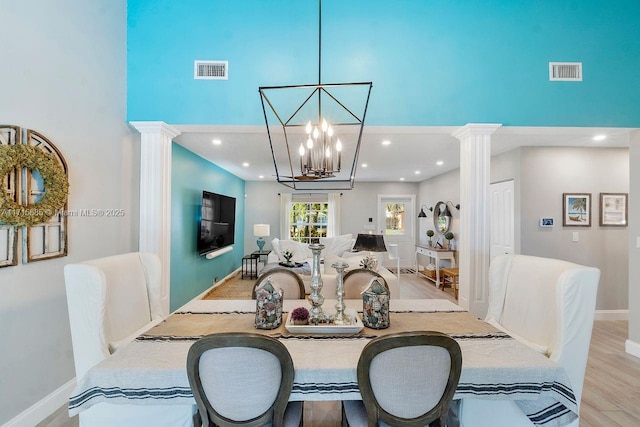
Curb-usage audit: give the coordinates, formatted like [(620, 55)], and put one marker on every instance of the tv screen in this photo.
[(217, 222)]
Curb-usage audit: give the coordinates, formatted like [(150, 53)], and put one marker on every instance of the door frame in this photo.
[(412, 208)]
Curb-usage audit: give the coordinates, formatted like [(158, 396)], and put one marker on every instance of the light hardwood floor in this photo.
[(611, 396)]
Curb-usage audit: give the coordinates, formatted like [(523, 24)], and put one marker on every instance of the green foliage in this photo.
[(430, 233), (56, 186), (448, 235)]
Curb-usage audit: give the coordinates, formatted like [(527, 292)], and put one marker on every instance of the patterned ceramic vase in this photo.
[(375, 306), (268, 305)]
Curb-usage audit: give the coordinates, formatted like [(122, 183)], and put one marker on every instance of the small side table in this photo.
[(250, 266), (261, 254), (452, 274)]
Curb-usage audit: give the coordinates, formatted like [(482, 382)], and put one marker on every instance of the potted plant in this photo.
[(287, 256), (430, 234), (449, 236)]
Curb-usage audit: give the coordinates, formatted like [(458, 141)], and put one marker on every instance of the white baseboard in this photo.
[(45, 407), (633, 348), (612, 314)]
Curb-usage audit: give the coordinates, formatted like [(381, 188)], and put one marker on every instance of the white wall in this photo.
[(547, 172), (358, 205), (634, 251), (65, 76), (541, 175)]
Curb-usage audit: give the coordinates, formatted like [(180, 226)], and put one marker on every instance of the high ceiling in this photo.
[(411, 149)]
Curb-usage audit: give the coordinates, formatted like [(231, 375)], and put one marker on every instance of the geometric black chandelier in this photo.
[(315, 130)]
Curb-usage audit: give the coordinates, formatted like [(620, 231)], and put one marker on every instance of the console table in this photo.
[(437, 254)]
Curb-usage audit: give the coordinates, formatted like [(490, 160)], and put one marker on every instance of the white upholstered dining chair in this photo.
[(405, 379), (242, 379), (289, 281), (356, 281), (111, 301), (547, 304)]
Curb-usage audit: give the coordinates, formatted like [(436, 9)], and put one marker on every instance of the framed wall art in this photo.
[(614, 209), (576, 209)]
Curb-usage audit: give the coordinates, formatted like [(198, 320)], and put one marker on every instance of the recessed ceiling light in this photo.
[(386, 142), (245, 164), (261, 176), (216, 142), (401, 179), (600, 137), (439, 163), (364, 165), (417, 172)]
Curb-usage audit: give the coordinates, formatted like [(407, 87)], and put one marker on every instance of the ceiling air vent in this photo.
[(211, 70), (565, 71)]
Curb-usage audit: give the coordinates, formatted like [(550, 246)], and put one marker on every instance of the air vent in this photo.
[(211, 70), (565, 71)]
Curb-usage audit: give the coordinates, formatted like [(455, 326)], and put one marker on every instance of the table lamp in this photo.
[(260, 231), (371, 243)]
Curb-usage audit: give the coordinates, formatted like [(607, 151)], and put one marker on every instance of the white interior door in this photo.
[(396, 222), (502, 218)]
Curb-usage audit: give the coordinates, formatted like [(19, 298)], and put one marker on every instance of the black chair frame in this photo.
[(209, 416), (437, 415)]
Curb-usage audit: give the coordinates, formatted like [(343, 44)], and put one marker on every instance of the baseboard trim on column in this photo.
[(612, 314), (633, 348)]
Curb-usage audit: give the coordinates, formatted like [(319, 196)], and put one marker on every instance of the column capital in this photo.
[(471, 129), (156, 127)]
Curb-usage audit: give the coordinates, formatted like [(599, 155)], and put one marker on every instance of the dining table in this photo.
[(152, 368)]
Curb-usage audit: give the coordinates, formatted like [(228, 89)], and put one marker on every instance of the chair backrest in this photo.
[(355, 281), (240, 377), (409, 378), (109, 299), (547, 303), (290, 282)]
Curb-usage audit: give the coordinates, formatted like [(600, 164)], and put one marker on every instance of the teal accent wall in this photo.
[(432, 62), (192, 274)]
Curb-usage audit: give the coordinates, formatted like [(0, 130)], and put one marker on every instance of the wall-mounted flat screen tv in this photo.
[(217, 222)]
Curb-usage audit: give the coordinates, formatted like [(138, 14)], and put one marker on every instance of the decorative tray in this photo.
[(291, 264), (327, 328)]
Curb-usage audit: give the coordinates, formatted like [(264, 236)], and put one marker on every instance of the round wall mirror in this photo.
[(441, 217)]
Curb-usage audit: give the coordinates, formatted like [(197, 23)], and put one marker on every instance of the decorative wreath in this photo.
[(56, 187)]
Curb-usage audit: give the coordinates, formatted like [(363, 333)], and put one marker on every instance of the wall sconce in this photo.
[(422, 214)]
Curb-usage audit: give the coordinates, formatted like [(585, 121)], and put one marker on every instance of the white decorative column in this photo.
[(155, 196), (474, 241)]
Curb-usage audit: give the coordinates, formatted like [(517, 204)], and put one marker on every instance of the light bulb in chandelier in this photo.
[(301, 149), (309, 143), (330, 131), (315, 132), (308, 128), (325, 125), (328, 153), (338, 145)]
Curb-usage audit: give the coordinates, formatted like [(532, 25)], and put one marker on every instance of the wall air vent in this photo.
[(211, 70), (565, 71)]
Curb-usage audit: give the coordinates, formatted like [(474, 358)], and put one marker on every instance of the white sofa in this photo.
[(111, 301), (336, 248), (547, 304)]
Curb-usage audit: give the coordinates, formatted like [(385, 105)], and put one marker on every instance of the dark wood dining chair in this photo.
[(285, 279), (356, 280), (405, 379), (242, 379)]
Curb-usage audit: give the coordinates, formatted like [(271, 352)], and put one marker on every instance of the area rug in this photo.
[(233, 288), (402, 270)]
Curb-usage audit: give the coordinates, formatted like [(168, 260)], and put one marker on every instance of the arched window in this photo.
[(25, 187)]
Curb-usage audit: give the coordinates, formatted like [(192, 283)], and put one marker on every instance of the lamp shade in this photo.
[(261, 230), (370, 242)]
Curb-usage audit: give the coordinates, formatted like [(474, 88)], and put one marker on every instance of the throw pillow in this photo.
[(337, 245), (275, 247), (299, 250)]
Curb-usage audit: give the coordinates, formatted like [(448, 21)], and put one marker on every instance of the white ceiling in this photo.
[(412, 148)]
